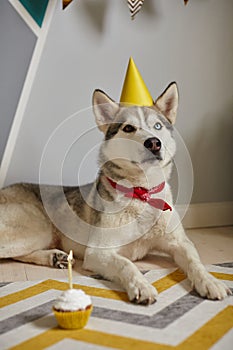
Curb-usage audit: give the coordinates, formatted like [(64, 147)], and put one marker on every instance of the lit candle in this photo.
[(70, 258)]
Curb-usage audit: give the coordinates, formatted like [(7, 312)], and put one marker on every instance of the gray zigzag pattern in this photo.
[(159, 320)]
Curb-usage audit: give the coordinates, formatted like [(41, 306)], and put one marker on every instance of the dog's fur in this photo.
[(119, 230)]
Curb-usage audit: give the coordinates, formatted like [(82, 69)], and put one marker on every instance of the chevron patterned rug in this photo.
[(180, 319)]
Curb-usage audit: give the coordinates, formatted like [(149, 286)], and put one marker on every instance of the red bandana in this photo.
[(143, 194)]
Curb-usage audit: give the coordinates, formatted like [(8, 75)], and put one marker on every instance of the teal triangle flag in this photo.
[(36, 8)]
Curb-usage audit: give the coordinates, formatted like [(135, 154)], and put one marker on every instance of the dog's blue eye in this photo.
[(158, 126)]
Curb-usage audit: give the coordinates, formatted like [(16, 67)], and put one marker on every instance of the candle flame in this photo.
[(70, 256)]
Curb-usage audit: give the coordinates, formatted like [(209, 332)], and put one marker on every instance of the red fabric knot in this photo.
[(145, 197), (143, 194)]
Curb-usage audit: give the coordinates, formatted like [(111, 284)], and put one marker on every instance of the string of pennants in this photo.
[(37, 10), (134, 6)]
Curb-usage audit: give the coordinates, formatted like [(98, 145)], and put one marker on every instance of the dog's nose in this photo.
[(153, 144)]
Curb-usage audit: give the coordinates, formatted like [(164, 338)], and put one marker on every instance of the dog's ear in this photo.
[(104, 109), (167, 103)]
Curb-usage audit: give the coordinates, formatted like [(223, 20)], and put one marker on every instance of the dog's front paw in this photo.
[(211, 288), (59, 259), (142, 292)]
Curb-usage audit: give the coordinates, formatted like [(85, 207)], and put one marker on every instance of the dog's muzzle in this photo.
[(153, 144)]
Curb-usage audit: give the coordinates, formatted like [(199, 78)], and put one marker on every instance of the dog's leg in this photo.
[(187, 258), (53, 257), (121, 270)]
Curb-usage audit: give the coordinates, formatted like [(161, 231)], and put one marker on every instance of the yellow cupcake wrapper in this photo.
[(73, 319)]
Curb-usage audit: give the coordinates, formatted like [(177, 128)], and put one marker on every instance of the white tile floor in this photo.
[(215, 245)]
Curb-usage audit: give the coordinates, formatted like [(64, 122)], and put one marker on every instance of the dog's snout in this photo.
[(153, 144)]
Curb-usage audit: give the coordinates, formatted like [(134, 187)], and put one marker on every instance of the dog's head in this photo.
[(137, 135)]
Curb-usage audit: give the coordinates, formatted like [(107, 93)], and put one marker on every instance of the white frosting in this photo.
[(72, 300)]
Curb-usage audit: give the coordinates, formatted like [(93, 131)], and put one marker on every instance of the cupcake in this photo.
[(72, 309)]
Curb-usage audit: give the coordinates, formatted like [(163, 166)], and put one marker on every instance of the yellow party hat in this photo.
[(134, 91)]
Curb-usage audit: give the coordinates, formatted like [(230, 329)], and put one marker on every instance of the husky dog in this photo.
[(126, 212)]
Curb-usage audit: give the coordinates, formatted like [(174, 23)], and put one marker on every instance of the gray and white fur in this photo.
[(137, 151)]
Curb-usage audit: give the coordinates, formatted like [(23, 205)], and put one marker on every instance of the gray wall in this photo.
[(17, 42), (88, 47)]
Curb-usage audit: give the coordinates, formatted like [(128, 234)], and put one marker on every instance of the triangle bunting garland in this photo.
[(65, 3), (36, 9), (134, 6)]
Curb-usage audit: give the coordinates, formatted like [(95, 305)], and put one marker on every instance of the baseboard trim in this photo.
[(208, 214)]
